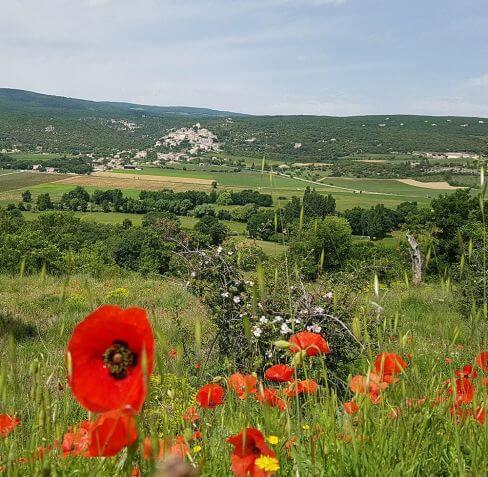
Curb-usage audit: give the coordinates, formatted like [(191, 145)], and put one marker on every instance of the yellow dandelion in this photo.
[(197, 449), (305, 427), (273, 440), (267, 463)]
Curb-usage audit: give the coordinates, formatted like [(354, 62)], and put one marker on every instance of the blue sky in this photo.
[(331, 57)]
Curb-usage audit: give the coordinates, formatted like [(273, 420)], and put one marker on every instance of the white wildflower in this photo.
[(237, 299), (285, 329), (257, 331), (314, 328)]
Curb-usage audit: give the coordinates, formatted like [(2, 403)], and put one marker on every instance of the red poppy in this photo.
[(371, 385), (279, 373), (173, 353), (482, 361), (312, 343), (307, 386), (191, 414), (351, 407), (106, 355), (210, 395), (463, 391), (76, 441), (243, 384), (111, 432), (271, 398), (136, 472), (389, 365), (468, 371), (7, 424), (248, 446)]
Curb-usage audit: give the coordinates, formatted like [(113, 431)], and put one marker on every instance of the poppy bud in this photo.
[(298, 358), (188, 434), (217, 379), (170, 393), (281, 344)]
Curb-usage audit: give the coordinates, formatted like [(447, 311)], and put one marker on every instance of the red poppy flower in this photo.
[(307, 386), (191, 414), (76, 441), (248, 446), (243, 384), (279, 373), (173, 353), (210, 395), (371, 385), (482, 361), (468, 371), (106, 355), (389, 365), (351, 407), (463, 391), (8, 424), (271, 398), (312, 343), (111, 432)]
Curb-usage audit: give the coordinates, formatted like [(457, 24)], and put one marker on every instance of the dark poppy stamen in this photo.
[(118, 358)]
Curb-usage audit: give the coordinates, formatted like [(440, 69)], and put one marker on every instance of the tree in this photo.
[(379, 221), (316, 205), (26, 196), (261, 225), (224, 198), (326, 244), (44, 202), (450, 212), (210, 226)]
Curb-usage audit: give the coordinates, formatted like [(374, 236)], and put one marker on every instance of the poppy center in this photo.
[(118, 358)]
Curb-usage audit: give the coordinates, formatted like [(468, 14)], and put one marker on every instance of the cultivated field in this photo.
[(14, 180), (441, 185)]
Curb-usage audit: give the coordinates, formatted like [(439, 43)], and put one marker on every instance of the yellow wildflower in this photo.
[(273, 440), (267, 463)]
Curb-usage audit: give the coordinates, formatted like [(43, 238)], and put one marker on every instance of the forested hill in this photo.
[(62, 124), (27, 102)]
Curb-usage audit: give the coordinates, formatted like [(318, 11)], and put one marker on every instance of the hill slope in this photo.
[(70, 125), (27, 102)]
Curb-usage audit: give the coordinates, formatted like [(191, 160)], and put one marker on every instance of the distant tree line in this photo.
[(76, 164)]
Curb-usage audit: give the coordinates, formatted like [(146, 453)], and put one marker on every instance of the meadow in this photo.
[(408, 431)]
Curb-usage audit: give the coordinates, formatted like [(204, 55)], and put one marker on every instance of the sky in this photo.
[(326, 57)]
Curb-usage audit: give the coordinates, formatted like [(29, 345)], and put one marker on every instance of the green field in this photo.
[(12, 180), (36, 156), (384, 186)]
